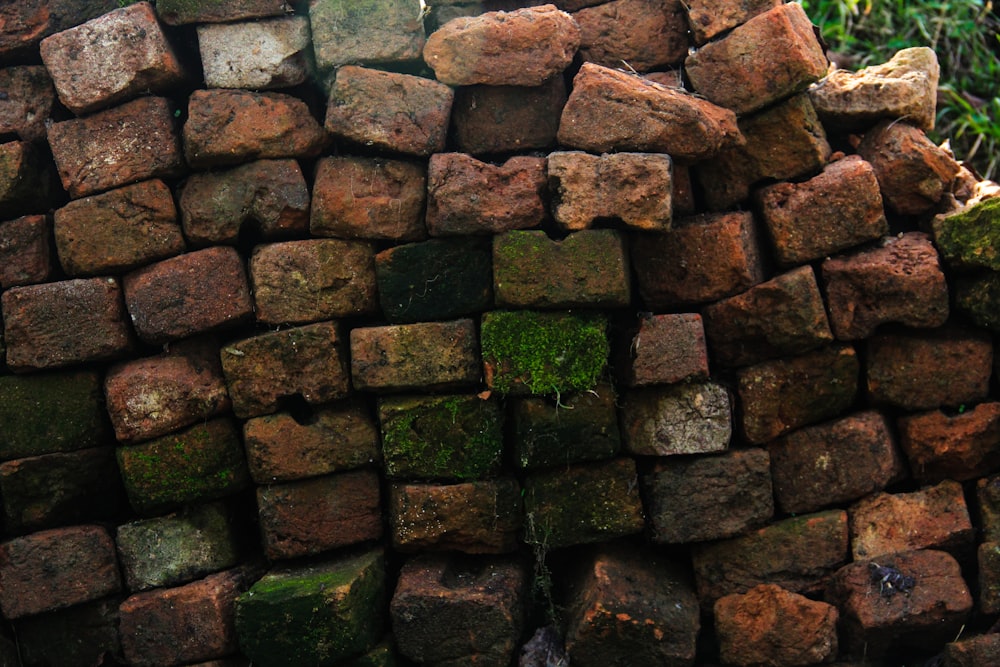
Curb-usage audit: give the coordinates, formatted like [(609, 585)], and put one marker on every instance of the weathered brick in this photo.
[(136, 141), (645, 34), (308, 517), (202, 463), (839, 208), (687, 418), (171, 299), (481, 517), (64, 323), (835, 462), (266, 370), (800, 554), (663, 349), (267, 197), (111, 59), (369, 198), (25, 251), (179, 12), (80, 635), (281, 448), (25, 179), (612, 111), (425, 356), (779, 396), (631, 606), (978, 296), (972, 651), (467, 196), (27, 23), (29, 102), (988, 506), (259, 54), (504, 119), (118, 231), (968, 238), (582, 504), (702, 259), (921, 370), (935, 517), (988, 559), (709, 18), (396, 112), (960, 447), (57, 568)]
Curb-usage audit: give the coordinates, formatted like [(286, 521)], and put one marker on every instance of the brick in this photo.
[(710, 18), (25, 179), (369, 198), (315, 613), (968, 238), (782, 395), (645, 34), (972, 651), (582, 504), (57, 568), (703, 258), (505, 119), (772, 56), (178, 548), (634, 188), (926, 369), (118, 231), (524, 47), (180, 12), (631, 606), (178, 626), (58, 489), (479, 517), (170, 299), (136, 141), (199, 464), (835, 462), (581, 427), (781, 317), (467, 196), (425, 356), (259, 54), (281, 448), (835, 210), (988, 559), (111, 59), (988, 506), (26, 24), (268, 198), (876, 624), (663, 349), (439, 279), (310, 516), (612, 111), (390, 111), (978, 296), (29, 102), (688, 418), (64, 323), (800, 554), (943, 446), (25, 251), (79, 635), (264, 371)]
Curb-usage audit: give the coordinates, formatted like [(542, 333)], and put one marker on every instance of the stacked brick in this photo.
[(373, 334)]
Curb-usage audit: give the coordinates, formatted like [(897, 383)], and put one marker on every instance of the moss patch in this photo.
[(970, 239), (979, 296)]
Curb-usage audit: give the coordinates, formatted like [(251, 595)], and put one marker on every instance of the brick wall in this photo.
[(369, 333)]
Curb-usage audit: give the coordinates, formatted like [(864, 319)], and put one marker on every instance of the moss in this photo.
[(971, 239)]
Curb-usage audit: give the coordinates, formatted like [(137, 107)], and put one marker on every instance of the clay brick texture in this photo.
[(365, 333)]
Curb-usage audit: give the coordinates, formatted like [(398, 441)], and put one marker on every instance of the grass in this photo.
[(963, 33)]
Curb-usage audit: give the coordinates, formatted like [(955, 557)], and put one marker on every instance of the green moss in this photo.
[(971, 239)]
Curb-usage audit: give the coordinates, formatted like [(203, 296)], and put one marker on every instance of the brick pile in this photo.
[(596, 333)]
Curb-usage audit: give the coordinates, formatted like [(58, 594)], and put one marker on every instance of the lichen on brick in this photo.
[(970, 239)]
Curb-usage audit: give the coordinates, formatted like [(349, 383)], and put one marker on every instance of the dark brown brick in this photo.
[(988, 558), (25, 179), (709, 18), (960, 447), (25, 251), (29, 102), (988, 505), (684, 418), (27, 23), (179, 12), (644, 34), (663, 349), (78, 635), (504, 119), (973, 651)]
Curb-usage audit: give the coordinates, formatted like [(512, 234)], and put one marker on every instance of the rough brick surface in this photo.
[(709, 18), (978, 296), (180, 12), (689, 418), (78, 635), (26, 24), (967, 238), (26, 185), (988, 503), (29, 103), (972, 651), (663, 349), (271, 53), (501, 119), (25, 251), (960, 447), (645, 34), (988, 559)]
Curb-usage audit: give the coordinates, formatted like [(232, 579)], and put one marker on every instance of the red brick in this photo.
[(467, 196), (25, 251), (701, 259), (136, 141), (921, 370), (687, 418), (179, 12), (25, 179), (973, 651), (782, 395), (64, 323), (118, 231), (369, 198), (171, 299), (264, 371), (25, 24), (709, 18), (259, 54), (663, 349), (110, 59), (837, 209), (57, 568), (396, 112), (960, 447), (267, 197), (29, 102), (311, 516), (317, 279), (644, 34), (504, 119), (836, 462)]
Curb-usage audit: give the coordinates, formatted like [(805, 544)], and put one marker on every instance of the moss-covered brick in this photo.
[(440, 279), (383, 655), (970, 239), (177, 12), (457, 437), (979, 297), (202, 463), (316, 614), (527, 352), (989, 577), (51, 412), (582, 504)]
